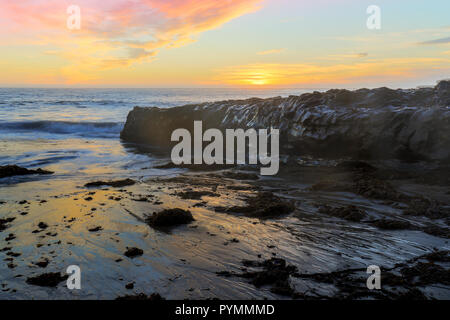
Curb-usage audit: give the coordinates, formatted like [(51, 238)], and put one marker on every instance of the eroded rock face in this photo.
[(365, 124)]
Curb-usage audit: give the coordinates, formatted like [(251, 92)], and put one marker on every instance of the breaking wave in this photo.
[(83, 129)]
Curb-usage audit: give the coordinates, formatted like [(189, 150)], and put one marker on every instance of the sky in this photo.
[(223, 43)]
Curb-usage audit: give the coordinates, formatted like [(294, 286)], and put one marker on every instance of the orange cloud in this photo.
[(312, 74), (113, 33), (273, 51)]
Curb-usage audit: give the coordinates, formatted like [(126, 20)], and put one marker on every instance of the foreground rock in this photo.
[(263, 205), (350, 213), (115, 184), (170, 218), (133, 252), (275, 273), (13, 170), (196, 195), (369, 182), (51, 279), (4, 223), (407, 280), (371, 124), (141, 296)]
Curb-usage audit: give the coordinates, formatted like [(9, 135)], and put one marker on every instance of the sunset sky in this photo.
[(221, 43)]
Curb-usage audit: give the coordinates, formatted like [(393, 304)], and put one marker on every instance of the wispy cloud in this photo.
[(114, 33), (339, 73), (346, 56), (273, 51), (436, 41)]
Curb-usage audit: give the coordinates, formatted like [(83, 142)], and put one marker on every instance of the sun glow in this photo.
[(193, 43)]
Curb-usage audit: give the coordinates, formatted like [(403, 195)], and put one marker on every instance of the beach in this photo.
[(310, 232)]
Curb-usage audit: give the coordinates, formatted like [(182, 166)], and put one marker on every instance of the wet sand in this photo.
[(310, 221)]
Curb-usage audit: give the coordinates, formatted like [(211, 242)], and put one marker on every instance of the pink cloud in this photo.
[(115, 32)]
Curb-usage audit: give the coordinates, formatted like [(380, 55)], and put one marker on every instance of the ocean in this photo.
[(75, 132)]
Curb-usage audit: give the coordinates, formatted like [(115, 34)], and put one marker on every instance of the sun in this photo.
[(257, 79)]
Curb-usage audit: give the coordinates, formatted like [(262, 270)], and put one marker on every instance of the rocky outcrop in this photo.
[(13, 170), (365, 124)]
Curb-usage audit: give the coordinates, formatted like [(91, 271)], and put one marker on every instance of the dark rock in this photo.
[(51, 279), (129, 286), (141, 199), (200, 204), (95, 229), (361, 124), (243, 188), (226, 274), (426, 208), (240, 175), (4, 223), (133, 252), (195, 167), (275, 273), (196, 195), (350, 213), (392, 224), (142, 296), (401, 282), (437, 256), (363, 181), (359, 166), (13, 170), (426, 273), (10, 237), (115, 184), (170, 218), (13, 254), (437, 231), (264, 205), (374, 188), (330, 186), (42, 263), (43, 225)]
